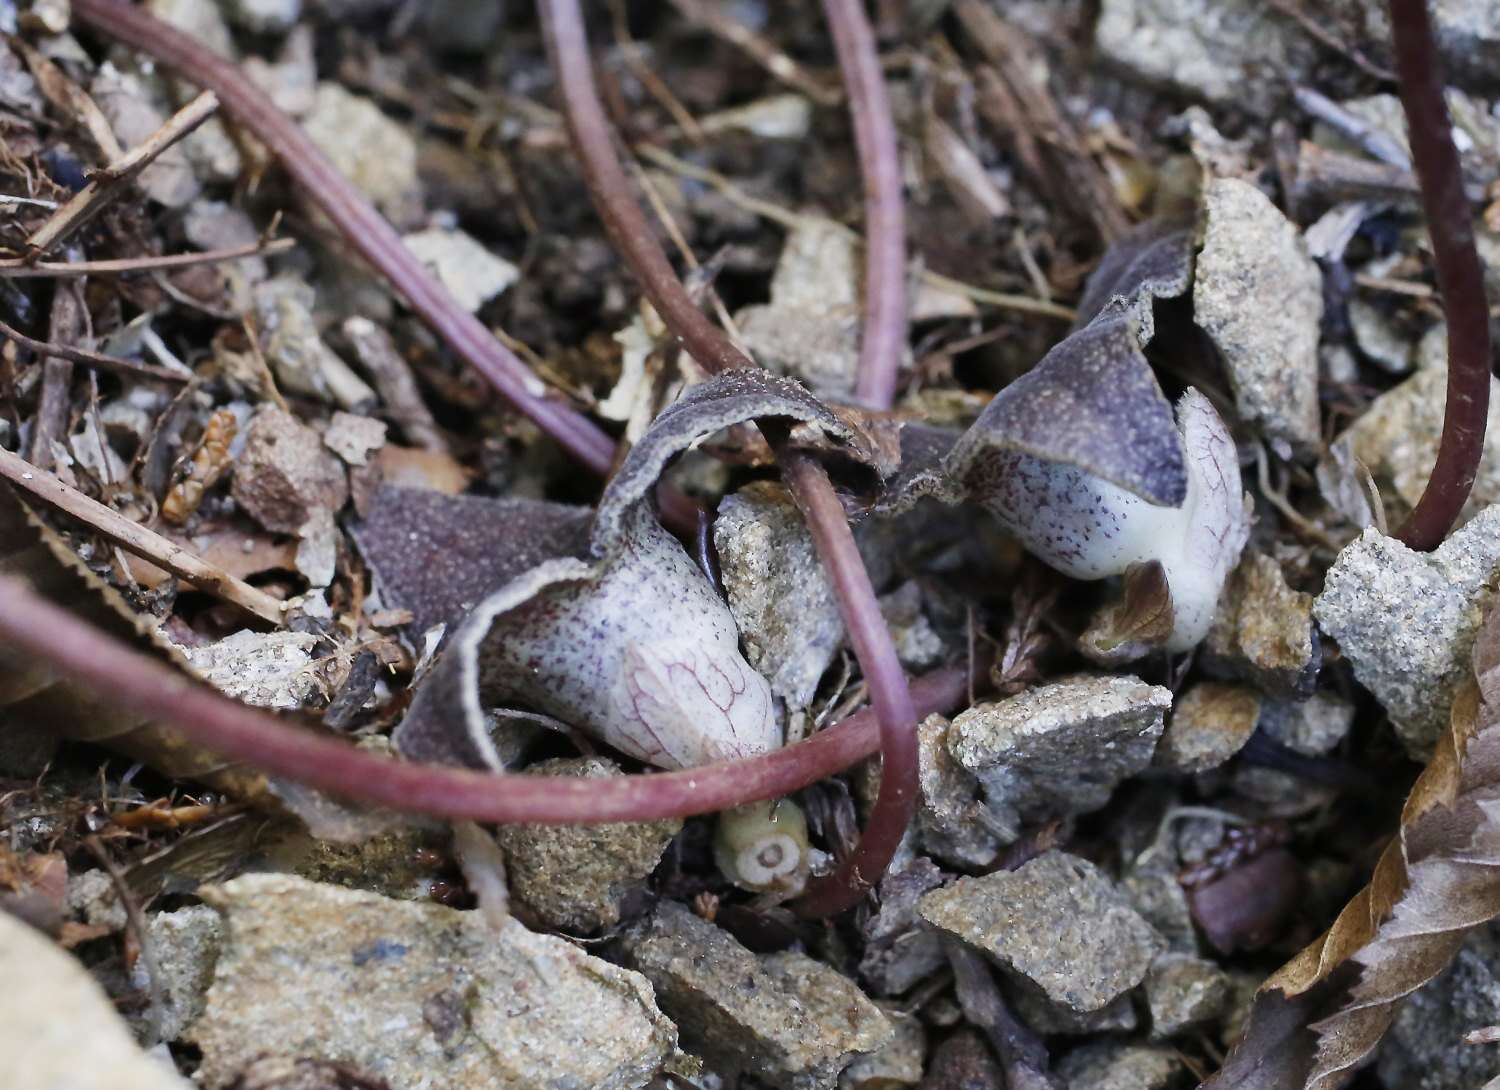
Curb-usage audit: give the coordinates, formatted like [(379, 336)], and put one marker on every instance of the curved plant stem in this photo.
[(567, 42), (30, 625), (1459, 274), (889, 695), (366, 229), (884, 338)]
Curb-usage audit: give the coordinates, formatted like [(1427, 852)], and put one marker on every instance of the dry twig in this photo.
[(107, 183), (137, 539)]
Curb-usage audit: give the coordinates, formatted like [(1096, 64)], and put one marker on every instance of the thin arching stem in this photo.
[(1460, 277), (567, 42), (30, 626), (884, 338), (365, 228)]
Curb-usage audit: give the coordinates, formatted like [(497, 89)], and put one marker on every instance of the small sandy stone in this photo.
[(374, 152), (205, 22), (918, 645), (417, 995), (1397, 436), (573, 877), (354, 438), (1183, 993), (1056, 922), (810, 329), (58, 1030), (898, 1064), (780, 597), (1259, 296), (787, 1020), (1059, 749), (1115, 1065), (169, 179), (1210, 723), (466, 268), (1312, 727), (1264, 630), (267, 669), (285, 474), (951, 820), (186, 944), (93, 899), (1406, 621)]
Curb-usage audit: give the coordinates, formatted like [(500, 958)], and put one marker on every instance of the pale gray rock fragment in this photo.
[(466, 268), (574, 877), (1397, 436), (1263, 632), (899, 952), (417, 995), (354, 438), (374, 152), (1059, 749), (58, 1030), (898, 1064), (810, 328), (778, 592), (953, 824), (1406, 621), (1117, 1065), (168, 180), (266, 669), (1259, 297), (1312, 727), (789, 1021), (1226, 51), (918, 645), (186, 945), (1056, 924), (1183, 993)]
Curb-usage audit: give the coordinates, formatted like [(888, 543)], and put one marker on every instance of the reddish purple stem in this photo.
[(567, 42), (158, 692), (1460, 277), (884, 340)]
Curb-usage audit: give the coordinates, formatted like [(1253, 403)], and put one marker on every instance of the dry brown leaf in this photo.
[(1437, 879), (33, 695)]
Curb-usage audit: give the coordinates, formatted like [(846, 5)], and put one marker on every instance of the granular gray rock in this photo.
[(781, 599), (1059, 749), (1183, 993), (1259, 297), (898, 1064), (953, 824), (574, 877), (186, 945), (1263, 632), (1057, 922), (1397, 435), (1049, 1018), (1228, 51), (417, 995), (374, 152), (1312, 727), (1406, 621), (787, 1020), (1117, 1065)]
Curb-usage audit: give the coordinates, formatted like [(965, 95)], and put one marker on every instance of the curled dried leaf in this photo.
[(1436, 880)]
